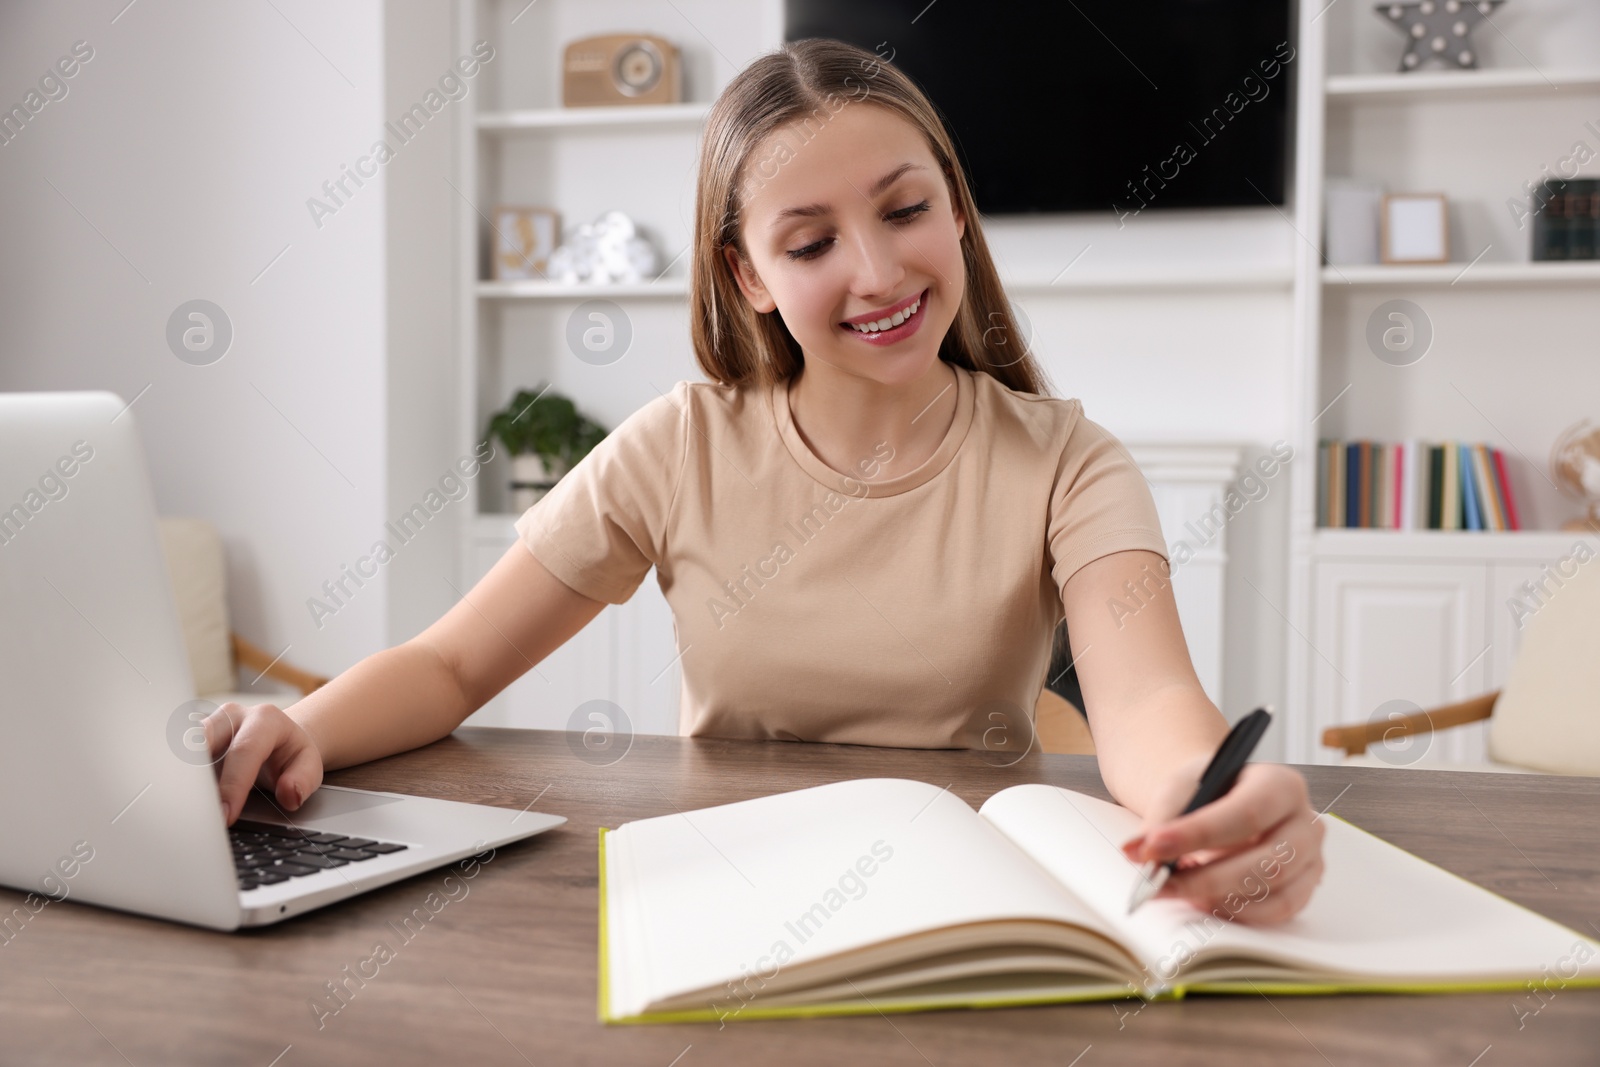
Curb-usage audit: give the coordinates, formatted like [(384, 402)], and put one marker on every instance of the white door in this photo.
[(1398, 637)]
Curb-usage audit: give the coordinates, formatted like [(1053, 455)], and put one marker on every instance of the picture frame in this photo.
[(524, 238), (1415, 228)]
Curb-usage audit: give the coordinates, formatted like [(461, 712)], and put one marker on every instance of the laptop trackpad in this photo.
[(328, 802)]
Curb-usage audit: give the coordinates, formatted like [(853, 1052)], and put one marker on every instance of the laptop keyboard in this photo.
[(264, 854)]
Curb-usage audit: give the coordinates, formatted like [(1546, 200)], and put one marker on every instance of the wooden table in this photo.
[(506, 973)]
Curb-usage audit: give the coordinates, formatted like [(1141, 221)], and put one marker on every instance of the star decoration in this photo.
[(1438, 29)]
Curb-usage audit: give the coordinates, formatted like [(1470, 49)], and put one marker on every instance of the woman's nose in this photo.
[(879, 266)]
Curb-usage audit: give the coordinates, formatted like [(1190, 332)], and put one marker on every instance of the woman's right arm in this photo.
[(403, 697)]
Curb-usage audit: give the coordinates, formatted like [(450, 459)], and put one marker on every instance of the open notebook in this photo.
[(886, 894)]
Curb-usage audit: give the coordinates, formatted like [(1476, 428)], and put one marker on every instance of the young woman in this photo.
[(868, 523)]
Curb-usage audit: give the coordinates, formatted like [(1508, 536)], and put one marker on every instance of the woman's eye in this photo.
[(906, 214), (810, 251)]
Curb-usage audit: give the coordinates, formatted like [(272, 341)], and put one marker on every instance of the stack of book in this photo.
[(1566, 222), (1413, 485)]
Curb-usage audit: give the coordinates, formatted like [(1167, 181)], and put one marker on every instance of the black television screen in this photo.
[(1092, 105)]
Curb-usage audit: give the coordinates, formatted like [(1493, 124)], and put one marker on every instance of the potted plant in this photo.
[(545, 437)]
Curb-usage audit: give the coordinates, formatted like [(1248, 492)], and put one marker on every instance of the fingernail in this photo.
[(225, 815), (294, 797)]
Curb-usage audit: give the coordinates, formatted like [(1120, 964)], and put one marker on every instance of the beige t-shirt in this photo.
[(891, 607)]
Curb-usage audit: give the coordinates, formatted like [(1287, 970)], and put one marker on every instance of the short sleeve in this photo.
[(1100, 503), (603, 525)]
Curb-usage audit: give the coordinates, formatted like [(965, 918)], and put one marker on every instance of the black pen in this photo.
[(1217, 779)]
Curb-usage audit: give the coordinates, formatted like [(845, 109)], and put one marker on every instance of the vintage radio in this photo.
[(621, 68)]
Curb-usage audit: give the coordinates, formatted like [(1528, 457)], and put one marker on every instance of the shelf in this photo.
[(1451, 84), (1419, 545), (1462, 275), (1197, 277), (666, 288), (688, 115)]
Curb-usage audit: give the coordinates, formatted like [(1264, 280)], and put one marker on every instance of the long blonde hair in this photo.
[(736, 345)]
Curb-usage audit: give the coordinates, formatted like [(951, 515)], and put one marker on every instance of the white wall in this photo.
[(423, 274), (177, 167)]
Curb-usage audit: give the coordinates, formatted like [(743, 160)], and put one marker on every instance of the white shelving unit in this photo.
[(1450, 84), (519, 146), (1151, 279), (564, 118), (667, 288), (1465, 274), (1421, 616)]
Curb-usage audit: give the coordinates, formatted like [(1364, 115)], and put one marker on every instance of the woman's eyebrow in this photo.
[(813, 210)]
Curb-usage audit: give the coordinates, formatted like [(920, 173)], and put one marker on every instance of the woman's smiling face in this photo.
[(854, 224)]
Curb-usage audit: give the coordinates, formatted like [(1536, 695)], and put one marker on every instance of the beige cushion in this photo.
[(199, 583), (1548, 713)]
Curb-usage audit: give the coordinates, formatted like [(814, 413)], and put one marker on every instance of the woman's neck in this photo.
[(844, 419)]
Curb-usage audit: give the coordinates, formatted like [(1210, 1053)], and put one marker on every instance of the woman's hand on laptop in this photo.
[(1253, 855), (260, 745)]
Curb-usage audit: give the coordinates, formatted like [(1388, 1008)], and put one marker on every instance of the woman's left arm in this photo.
[(1257, 851)]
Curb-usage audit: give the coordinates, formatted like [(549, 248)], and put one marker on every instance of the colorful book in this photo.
[(1324, 478), (1488, 498), (1472, 519), (1552, 222), (1352, 484), (1338, 489), (1505, 489), (876, 895), (1365, 501), (1435, 487), (1415, 514), (1331, 488), (1397, 487), (1450, 507), (1584, 219), (1380, 486)]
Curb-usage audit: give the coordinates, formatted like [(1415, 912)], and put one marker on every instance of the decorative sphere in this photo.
[(1426, 7), (1440, 44), (1418, 30), (1411, 59), (1575, 462), (1465, 58), (1452, 6)]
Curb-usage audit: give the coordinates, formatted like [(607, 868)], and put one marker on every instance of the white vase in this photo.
[(531, 479)]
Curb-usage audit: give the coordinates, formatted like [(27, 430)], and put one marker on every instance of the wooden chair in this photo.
[(1546, 718), (1060, 726), (198, 570)]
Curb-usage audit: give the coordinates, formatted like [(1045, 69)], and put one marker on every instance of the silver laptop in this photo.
[(102, 797)]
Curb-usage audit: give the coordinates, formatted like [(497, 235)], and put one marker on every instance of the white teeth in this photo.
[(889, 323)]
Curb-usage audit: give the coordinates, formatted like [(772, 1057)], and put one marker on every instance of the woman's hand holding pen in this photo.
[(1253, 855)]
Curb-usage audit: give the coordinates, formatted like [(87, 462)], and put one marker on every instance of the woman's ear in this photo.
[(749, 281)]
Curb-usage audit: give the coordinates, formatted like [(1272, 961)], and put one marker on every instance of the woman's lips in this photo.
[(907, 327)]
